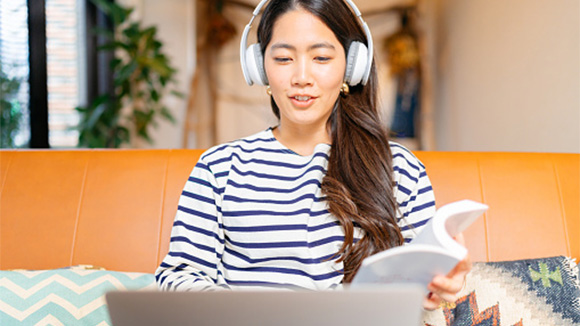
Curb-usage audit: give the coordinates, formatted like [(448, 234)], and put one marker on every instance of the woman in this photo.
[(300, 205)]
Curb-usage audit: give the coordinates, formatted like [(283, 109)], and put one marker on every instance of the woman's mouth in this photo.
[(302, 101)]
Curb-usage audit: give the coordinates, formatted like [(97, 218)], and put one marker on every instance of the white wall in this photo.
[(508, 75)]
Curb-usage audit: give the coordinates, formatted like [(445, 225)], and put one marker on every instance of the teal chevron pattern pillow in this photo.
[(63, 296)]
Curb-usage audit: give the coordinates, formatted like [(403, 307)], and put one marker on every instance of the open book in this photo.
[(432, 252)]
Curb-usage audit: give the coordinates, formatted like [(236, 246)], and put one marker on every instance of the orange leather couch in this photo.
[(115, 208)]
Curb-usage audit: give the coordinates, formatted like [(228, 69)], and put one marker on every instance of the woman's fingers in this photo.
[(447, 284), (445, 288), (431, 302), (460, 239), (462, 268)]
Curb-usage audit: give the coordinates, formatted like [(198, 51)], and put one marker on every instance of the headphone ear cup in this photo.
[(356, 63), (255, 65)]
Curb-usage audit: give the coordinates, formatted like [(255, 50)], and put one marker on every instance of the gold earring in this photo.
[(344, 89), (268, 90)]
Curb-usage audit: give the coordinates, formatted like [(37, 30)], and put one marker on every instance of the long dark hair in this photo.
[(359, 182)]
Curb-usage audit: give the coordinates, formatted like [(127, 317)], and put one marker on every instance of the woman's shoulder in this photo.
[(256, 142), (404, 161)]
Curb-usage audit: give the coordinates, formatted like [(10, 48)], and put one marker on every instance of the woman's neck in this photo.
[(301, 140)]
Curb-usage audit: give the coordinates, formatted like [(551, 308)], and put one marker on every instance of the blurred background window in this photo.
[(64, 69), (62, 23), (14, 88)]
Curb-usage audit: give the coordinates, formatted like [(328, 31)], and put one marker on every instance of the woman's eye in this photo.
[(282, 59), (322, 59)]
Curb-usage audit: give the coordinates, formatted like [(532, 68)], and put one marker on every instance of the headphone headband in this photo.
[(244, 40)]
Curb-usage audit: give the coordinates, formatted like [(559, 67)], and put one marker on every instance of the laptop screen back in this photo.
[(381, 305)]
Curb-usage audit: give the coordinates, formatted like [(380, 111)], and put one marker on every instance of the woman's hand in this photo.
[(445, 288)]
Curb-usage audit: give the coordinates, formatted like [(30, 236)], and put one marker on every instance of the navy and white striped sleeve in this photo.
[(197, 237), (413, 192)]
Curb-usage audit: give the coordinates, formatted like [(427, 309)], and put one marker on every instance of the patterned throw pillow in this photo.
[(63, 296), (515, 293)]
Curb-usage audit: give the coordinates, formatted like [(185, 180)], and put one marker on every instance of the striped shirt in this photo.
[(252, 215)]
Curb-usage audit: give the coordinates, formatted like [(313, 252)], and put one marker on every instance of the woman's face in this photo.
[(305, 65)]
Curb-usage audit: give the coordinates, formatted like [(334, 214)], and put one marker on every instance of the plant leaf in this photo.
[(177, 94), (126, 71), (167, 115)]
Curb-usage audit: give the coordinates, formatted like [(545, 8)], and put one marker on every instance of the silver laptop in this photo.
[(390, 305)]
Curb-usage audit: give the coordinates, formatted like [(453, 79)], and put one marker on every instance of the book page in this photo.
[(448, 222), (407, 264), (433, 252)]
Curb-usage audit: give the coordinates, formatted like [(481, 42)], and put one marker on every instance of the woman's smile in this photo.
[(302, 101)]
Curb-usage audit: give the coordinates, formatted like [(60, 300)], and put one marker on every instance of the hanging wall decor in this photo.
[(213, 31), (221, 30), (404, 62)]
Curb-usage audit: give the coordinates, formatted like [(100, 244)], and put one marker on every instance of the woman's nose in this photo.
[(302, 74)]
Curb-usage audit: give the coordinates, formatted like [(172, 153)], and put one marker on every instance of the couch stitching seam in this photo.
[(2, 190), (163, 193), (561, 202), (78, 214), (485, 221), (11, 158)]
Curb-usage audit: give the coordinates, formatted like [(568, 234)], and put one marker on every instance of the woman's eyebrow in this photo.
[(310, 48), (282, 46), (321, 45)]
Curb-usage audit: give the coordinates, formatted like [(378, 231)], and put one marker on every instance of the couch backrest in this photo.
[(534, 201), (115, 208), (110, 208)]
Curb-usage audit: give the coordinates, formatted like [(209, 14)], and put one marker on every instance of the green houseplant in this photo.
[(142, 76), (10, 110)]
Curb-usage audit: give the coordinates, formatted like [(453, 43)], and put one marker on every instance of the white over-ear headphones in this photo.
[(358, 61)]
